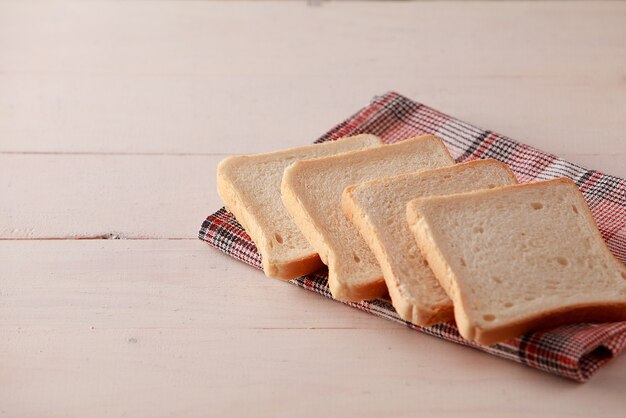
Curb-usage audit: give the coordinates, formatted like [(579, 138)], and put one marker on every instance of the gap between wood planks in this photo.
[(174, 154), (216, 154), (110, 236)]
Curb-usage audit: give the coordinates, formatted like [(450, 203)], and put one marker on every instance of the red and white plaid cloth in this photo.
[(573, 351)]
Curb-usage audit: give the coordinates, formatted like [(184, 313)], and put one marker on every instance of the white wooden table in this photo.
[(113, 116)]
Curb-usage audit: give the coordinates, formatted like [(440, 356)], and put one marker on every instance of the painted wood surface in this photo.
[(113, 117), (169, 328), (227, 77), (109, 196)]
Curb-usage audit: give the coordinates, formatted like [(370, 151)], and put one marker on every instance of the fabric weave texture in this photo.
[(574, 351)]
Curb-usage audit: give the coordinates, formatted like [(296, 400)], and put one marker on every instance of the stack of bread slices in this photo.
[(444, 241)]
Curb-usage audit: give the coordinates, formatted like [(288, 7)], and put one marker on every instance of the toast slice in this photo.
[(249, 185), (312, 190), (519, 258), (415, 292)]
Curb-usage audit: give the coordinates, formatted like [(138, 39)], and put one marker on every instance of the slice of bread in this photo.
[(519, 258), (312, 190), (414, 290), (249, 185)]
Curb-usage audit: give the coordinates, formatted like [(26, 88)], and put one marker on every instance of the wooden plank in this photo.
[(119, 196), (170, 328), (153, 284), (126, 196), (182, 38), (223, 77)]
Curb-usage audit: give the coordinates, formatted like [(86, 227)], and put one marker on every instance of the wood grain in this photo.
[(192, 77), (113, 117), (125, 196), (169, 328), (116, 196)]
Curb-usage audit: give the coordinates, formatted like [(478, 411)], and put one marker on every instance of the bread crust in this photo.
[(432, 255), (341, 290), (296, 268), (446, 274), (237, 203), (372, 290), (601, 312), (283, 271), (405, 308)]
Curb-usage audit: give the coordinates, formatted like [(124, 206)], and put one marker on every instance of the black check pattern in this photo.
[(572, 351)]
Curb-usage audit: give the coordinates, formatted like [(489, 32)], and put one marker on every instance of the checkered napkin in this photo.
[(573, 351)]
